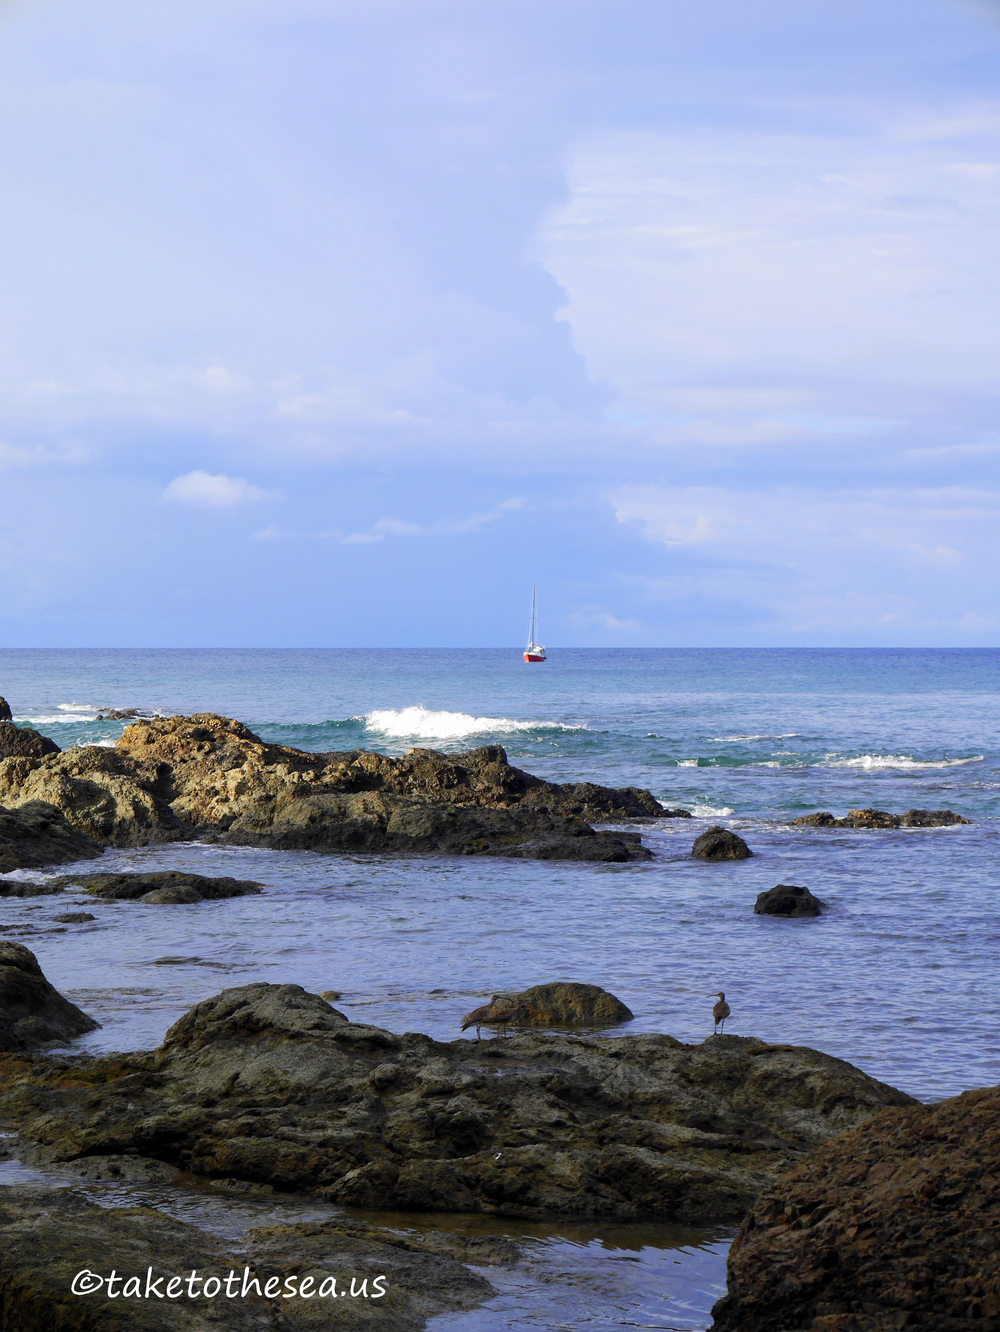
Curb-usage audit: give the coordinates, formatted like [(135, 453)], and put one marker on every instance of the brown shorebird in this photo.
[(499, 1012), (720, 1012)]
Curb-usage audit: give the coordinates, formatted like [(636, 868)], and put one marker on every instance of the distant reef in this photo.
[(173, 778)]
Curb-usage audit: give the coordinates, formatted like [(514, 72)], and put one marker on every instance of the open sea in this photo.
[(899, 976)]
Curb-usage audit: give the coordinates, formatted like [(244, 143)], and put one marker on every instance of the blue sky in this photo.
[(337, 323)]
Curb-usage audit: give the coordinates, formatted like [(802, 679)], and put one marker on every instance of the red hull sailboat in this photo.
[(534, 651)]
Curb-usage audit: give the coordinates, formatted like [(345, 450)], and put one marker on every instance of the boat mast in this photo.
[(531, 627)]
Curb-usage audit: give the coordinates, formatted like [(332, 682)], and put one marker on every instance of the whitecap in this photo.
[(710, 812), (427, 724), (727, 739), (59, 718), (875, 761)]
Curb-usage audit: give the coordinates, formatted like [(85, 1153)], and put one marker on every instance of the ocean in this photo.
[(899, 976)]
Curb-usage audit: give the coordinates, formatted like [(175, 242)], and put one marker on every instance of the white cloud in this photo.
[(41, 455), (215, 492)]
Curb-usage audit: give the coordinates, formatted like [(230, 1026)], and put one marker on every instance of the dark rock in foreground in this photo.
[(175, 777), (49, 1236), (269, 1084), (880, 818), (33, 1012), (167, 886), (890, 1226), (569, 1004), (720, 844), (5, 712), (37, 834), (23, 742), (787, 899)]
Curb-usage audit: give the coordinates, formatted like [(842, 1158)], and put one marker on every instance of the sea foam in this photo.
[(875, 761), (427, 724)]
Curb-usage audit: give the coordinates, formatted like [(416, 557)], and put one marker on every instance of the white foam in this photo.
[(726, 739), (687, 763), (710, 812), (875, 761), (51, 719), (426, 724)]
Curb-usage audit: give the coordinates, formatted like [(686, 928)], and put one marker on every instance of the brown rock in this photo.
[(23, 742), (720, 844), (32, 1011), (570, 1004), (161, 886), (880, 818), (890, 1226), (931, 818), (269, 1084), (5, 712), (37, 834)]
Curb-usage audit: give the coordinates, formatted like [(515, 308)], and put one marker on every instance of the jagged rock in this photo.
[(175, 777), (569, 1004), (161, 886), (111, 797), (720, 844), (785, 899), (880, 818), (74, 918), (119, 714), (37, 834), (23, 742), (5, 712), (893, 1225), (48, 1237), (33, 1012), (269, 1084), (676, 814), (27, 888)]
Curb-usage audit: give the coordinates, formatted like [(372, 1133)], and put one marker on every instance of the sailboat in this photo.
[(534, 651)]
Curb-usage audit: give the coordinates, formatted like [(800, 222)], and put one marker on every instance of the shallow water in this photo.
[(899, 976)]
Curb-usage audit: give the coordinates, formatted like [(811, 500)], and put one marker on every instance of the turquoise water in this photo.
[(900, 975)]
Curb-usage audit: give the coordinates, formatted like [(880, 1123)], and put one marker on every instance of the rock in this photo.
[(785, 899), (269, 1084), (330, 995), (166, 886), (720, 844), (49, 1236), (37, 834), (931, 818), (26, 888), (74, 918), (676, 814), (33, 1012), (570, 1004), (880, 818), (893, 1225), (5, 712), (118, 714), (205, 775), (23, 742)]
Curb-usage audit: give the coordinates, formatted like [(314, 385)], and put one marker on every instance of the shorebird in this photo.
[(720, 1012), (499, 1012)]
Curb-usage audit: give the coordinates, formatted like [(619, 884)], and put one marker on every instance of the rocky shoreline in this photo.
[(207, 776)]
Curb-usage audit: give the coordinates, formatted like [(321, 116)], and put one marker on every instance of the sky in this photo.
[(344, 322)]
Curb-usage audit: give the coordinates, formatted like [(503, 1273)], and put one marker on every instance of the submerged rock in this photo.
[(568, 1004), (38, 834), (49, 1236), (170, 778), (33, 1012), (893, 1225), (166, 886), (786, 899), (880, 818), (5, 712), (23, 742), (720, 844), (269, 1084)]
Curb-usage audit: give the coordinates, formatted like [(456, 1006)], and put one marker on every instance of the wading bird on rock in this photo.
[(720, 1012), (499, 1012)]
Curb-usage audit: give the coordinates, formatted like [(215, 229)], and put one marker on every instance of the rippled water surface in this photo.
[(899, 975)]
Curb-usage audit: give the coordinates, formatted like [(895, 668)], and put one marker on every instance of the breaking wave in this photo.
[(427, 724), (872, 762)]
